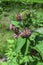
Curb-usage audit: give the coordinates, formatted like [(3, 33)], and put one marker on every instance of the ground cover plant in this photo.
[(21, 33)]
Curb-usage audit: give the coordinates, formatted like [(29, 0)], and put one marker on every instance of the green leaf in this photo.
[(3, 63), (15, 23), (33, 35), (40, 30), (39, 63), (20, 43), (30, 58), (27, 47), (39, 48), (26, 59), (10, 41)]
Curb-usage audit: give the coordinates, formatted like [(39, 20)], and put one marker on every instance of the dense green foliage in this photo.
[(24, 0), (22, 51)]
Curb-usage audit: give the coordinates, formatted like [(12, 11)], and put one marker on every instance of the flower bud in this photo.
[(18, 17)]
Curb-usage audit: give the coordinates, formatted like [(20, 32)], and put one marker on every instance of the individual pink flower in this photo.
[(15, 35)]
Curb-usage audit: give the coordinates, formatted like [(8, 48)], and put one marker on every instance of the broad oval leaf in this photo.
[(20, 43)]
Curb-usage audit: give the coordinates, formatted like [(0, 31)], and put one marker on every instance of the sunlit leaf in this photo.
[(39, 63), (27, 47), (40, 30), (15, 23)]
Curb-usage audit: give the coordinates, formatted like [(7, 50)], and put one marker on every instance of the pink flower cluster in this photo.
[(25, 33)]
